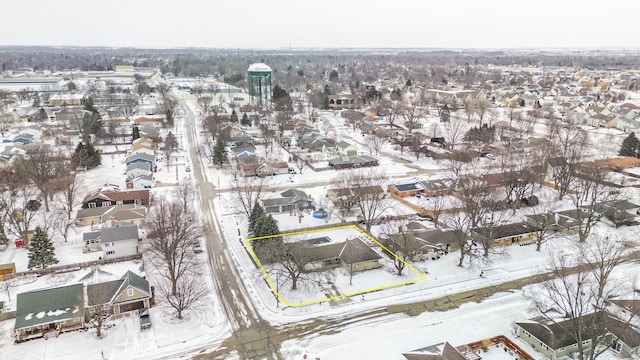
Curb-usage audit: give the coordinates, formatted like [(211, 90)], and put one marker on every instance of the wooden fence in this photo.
[(60, 269)]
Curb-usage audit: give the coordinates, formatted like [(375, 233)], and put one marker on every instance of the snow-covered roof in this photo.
[(259, 67)]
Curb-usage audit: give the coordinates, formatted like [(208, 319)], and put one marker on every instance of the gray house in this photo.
[(117, 240), (289, 200)]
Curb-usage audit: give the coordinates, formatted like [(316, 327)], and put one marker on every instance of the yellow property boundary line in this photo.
[(275, 288)]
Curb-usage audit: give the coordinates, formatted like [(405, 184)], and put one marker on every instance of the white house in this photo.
[(121, 239), (140, 182), (138, 169)]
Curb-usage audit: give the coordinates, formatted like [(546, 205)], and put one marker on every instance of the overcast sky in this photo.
[(329, 23)]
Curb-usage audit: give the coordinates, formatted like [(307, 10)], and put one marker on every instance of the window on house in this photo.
[(106, 203), (586, 342), (617, 346), (119, 202), (138, 202), (92, 205), (111, 252), (129, 292)]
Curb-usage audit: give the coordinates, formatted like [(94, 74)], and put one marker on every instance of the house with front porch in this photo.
[(49, 312)]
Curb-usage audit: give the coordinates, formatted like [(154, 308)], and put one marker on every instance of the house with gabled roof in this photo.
[(289, 200), (112, 196), (118, 239), (141, 157), (125, 213), (272, 168), (49, 312), (556, 339), (353, 254), (130, 292), (506, 234), (138, 169), (348, 162), (440, 351)]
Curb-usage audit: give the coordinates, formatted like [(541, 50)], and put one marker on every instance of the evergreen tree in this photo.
[(256, 214), (42, 115), (41, 250), (219, 151), (445, 114), (234, 117), (86, 155), (136, 133), (333, 75), (630, 146), (245, 120), (279, 93), (265, 225)]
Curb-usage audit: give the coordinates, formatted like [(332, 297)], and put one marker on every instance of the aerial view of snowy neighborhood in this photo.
[(319, 204)]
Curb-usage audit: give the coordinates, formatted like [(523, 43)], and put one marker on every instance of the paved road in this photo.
[(249, 328)]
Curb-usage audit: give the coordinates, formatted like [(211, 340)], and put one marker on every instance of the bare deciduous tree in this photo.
[(367, 192), (375, 144), (592, 192), (246, 191), (172, 231), (189, 291), (579, 292)]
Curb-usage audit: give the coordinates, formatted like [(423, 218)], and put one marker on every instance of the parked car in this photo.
[(145, 320)]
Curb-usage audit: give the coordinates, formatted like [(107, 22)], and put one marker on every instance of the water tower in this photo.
[(259, 78)]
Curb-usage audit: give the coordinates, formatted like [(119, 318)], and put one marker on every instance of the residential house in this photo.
[(249, 169), (436, 187), (122, 213), (288, 201), (138, 169), (357, 161), (565, 222), (556, 339), (353, 254), (144, 121), (441, 351), (140, 182), (129, 293), (343, 148), (272, 168), (517, 233), (141, 158), (620, 212), (420, 244), (118, 240), (241, 146), (46, 312), (625, 309), (404, 190), (344, 101), (110, 197), (143, 146)]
